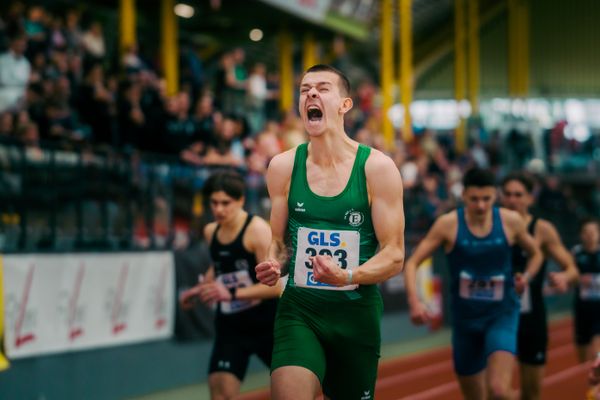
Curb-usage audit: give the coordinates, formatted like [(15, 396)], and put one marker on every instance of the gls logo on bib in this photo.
[(321, 238)]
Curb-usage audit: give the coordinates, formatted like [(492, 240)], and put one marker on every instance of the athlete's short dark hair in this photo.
[(522, 177), (344, 82), (230, 182), (478, 177)]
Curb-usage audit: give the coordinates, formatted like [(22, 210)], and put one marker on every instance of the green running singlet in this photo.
[(332, 331)]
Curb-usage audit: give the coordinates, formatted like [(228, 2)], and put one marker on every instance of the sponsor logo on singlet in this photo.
[(354, 218)]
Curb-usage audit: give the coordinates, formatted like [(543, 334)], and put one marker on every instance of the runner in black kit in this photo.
[(245, 308), (587, 294), (532, 342)]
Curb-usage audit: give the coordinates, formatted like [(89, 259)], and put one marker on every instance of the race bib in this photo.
[(342, 246), (526, 300), (591, 290), (236, 279), (484, 288)]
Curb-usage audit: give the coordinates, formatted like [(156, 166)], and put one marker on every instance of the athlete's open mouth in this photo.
[(314, 113)]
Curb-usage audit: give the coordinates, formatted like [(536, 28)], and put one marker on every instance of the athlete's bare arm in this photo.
[(516, 229), (438, 236), (387, 213), (279, 175), (552, 247), (257, 240)]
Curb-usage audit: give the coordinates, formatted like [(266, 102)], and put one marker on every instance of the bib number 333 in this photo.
[(342, 246)]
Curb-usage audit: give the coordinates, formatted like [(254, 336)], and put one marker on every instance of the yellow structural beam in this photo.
[(518, 48), (440, 43), (513, 44), (309, 51), (523, 21), (127, 27), (286, 72), (406, 66), (459, 69), (474, 63), (169, 47), (387, 70), (4, 363)]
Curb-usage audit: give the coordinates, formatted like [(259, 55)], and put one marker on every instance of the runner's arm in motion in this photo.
[(189, 297), (436, 237), (279, 174), (553, 247), (517, 226), (387, 213), (258, 240)]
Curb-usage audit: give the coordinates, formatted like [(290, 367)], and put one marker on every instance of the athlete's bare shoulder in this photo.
[(382, 173), (378, 162), (258, 234), (511, 218), (209, 231), (258, 226), (283, 163), (446, 222), (545, 230), (280, 170)]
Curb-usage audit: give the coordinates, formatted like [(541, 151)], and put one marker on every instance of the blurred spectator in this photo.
[(57, 37), (207, 120), (131, 61), (192, 70), (236, 76), (6, 127), (36, 30), (95, 102), (479, 155), (225, 150), (93, 42), (521, 147), (256, 97), (207, 117), (180, 131), (551, 197), (73, 33), (28, 135), (62, 124), (292, 131), (152, 102), (14, 74), (131, 118)]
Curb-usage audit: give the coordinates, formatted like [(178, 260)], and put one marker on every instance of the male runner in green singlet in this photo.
[(337, 206)]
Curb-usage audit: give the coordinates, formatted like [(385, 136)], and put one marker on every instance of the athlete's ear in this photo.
[(346, 105)]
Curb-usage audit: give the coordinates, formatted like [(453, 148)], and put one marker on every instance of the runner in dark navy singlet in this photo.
[(483, 291)]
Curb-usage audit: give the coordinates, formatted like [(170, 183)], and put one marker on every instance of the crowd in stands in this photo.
[(58, 88)]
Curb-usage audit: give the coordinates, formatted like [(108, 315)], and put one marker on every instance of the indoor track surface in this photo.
[(429, 375)]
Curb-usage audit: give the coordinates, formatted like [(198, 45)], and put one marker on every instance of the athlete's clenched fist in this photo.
[(268, 272)]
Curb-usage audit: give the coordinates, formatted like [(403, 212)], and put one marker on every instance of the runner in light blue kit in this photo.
[(484, 302)]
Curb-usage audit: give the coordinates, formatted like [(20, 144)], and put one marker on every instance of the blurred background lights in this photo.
[(578, 132), (256, 35), (184, 10)]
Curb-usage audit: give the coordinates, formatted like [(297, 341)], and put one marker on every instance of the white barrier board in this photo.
[(63, 302)]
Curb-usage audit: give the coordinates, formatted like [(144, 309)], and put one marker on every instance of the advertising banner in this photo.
[(62, 302)]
